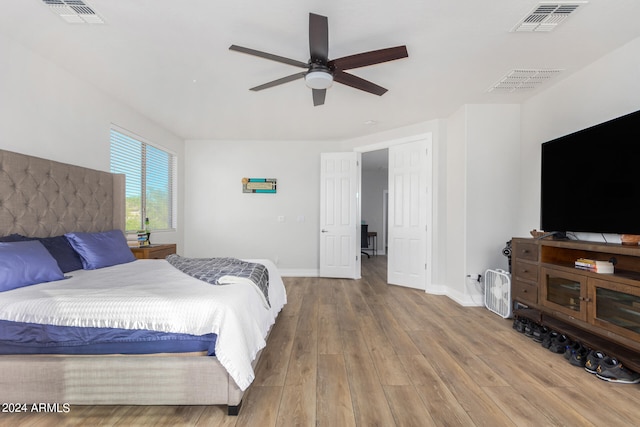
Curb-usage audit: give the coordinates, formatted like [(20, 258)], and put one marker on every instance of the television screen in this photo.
[(591, 179)]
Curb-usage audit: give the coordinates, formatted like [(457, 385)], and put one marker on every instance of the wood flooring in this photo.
[(363, 353)]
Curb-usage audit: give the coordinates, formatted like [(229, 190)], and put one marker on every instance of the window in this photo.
[(150, 183)]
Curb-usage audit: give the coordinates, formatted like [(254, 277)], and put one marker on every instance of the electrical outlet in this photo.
[(475, 277)]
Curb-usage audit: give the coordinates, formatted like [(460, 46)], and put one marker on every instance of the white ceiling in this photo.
[(170, 61)]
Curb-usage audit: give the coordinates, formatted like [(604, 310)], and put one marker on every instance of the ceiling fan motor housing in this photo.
[(319, 77)]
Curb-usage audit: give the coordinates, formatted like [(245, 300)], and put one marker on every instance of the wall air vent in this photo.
[(523, 79), (547, 16), (74, 11)]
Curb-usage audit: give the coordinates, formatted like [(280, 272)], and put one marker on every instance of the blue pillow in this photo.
[(59, 248), (13, 238), (62, 251), (26, 263), (104, 249)]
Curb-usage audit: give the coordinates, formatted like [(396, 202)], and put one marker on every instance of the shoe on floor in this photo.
[(577, 354), (516, 323), (611, 369), (593, 361), (520, 325), (559, 344), (540, 333), (570, 348), (546, 340), (530, 329)]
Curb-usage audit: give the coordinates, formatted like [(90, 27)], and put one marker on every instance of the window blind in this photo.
[(150, 181)]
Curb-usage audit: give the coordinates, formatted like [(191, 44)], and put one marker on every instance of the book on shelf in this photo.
[(596, 266)]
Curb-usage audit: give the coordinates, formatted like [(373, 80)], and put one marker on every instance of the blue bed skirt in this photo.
[(32, 338)]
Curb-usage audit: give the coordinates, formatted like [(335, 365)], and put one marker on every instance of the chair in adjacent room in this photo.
[(364, 239)]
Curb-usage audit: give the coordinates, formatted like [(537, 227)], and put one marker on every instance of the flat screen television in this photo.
[(591, 179)]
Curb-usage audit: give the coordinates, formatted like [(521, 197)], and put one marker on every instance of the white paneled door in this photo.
[(339, 215), (409, 213)]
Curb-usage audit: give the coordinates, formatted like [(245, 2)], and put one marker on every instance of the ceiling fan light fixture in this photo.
[(318, 79)]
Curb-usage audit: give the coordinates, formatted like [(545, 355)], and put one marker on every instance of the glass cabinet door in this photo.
[(565, 292), (617, 307)]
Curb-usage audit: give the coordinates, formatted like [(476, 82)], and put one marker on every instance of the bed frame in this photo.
[(43, 198)]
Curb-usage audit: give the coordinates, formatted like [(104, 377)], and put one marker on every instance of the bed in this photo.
[(219, 345)]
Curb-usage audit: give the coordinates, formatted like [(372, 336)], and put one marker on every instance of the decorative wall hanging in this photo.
[(259, 185)]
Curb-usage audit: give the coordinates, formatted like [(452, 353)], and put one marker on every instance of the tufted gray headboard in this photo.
[(43, 198)]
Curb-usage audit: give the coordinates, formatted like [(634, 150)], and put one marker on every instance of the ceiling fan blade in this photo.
[(369, 58), (268, 56), (358, 83), (279, 81), (318, 96), (318, 38)]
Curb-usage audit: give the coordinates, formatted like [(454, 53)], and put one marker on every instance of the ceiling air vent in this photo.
[(547, 16), (523, 79), (74, 11)]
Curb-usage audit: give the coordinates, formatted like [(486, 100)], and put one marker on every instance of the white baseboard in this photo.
[(465, 300), (299, 272)]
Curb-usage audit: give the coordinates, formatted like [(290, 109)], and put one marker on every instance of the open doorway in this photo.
[(407, 238), (374, 210)]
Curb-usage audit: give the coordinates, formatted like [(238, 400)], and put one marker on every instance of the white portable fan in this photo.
[(497, 292)]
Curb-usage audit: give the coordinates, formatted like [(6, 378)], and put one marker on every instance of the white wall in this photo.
[(608, 88), (482, 183), (456, 205), (493, 142), (47, 112), (221, 220)]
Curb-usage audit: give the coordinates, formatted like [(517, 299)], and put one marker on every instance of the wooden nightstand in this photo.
[(154, 251)]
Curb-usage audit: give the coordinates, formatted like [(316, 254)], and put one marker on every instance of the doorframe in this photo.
[(431, 198), (385, 220)]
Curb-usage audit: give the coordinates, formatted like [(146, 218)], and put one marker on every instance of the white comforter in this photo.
[(151, 294)]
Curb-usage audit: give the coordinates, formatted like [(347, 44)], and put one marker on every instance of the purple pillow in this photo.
[(104, 249), (26, 263)]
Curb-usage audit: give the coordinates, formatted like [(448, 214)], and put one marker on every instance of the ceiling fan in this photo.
[(320, 72)]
